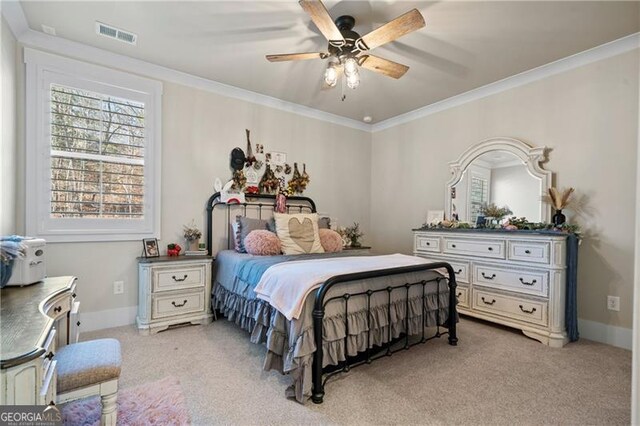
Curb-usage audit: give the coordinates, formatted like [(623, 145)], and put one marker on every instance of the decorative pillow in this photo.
[(331, 241), (262, 243), (298, 233), (324, 223), (246, 225)]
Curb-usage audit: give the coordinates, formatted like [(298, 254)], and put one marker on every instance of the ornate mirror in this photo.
[(503, 171)]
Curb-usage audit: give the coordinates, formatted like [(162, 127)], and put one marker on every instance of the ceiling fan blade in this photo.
[(296, 56), (384, 66), (392, 30), (322, 19)]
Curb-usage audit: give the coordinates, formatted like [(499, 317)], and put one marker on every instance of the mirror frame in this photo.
[(531, 157)]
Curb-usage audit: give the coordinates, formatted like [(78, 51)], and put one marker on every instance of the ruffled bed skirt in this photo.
[(290, 346)]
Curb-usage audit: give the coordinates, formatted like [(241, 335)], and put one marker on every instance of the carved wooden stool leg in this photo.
[(109, 409)]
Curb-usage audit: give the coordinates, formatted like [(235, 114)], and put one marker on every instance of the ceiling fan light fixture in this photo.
[(350, 66), (353, 80), (331, 74)]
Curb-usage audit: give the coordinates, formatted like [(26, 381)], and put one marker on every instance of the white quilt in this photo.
[(286, 285)]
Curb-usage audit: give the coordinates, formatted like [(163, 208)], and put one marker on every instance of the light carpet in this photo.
[(494, 376), (156, 403)]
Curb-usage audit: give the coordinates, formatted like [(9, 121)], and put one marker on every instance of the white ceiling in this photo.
[(465, 45)]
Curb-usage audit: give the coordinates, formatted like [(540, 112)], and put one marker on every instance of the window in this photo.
[(93, 151)]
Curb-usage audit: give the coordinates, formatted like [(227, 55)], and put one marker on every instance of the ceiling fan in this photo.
[(347, 50)]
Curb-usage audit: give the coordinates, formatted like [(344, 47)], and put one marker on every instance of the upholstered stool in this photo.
[(90, 368)]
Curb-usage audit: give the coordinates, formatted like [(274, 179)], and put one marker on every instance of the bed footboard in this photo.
[(321, 301)]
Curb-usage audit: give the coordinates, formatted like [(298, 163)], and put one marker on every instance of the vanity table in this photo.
[(519, 278), (31, 320)]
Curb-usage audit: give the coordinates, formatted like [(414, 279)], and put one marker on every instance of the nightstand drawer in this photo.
[(176, 278), (424, 243), (170, 305), (531, 311)]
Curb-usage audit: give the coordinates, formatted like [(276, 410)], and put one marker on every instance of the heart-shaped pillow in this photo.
[(301, 233), (298, 233)]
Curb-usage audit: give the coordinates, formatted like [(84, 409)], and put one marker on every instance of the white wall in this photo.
[(588, 116), (8, 143), (199, 130)]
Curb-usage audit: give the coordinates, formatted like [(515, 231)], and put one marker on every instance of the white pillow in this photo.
[(298, 233)]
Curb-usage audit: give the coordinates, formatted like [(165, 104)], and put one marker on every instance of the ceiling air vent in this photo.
[(115, 33)]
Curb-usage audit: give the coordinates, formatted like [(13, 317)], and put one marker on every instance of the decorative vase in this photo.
[(194, 245), (559, 218)]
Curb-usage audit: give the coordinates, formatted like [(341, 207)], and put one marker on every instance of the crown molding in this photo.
[(13, 13), (75, 50), (577, 60)]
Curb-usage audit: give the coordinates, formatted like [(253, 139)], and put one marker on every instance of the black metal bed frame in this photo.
[(259, 201)]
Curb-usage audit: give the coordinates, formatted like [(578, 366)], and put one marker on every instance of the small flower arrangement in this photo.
[(560, 199), (491, 210), (353, 234), (191, 232)]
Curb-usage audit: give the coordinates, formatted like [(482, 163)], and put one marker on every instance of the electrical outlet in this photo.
[(613, 303), (118, 287)]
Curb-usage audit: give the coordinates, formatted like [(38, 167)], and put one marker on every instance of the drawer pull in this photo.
[(490, 248), (57, 309), (459, 271), (526, 283), (527, 252), (428, 243), (459, 294), (49, 356), (487, 277), (492, 302), (527, 312), (453, 245), (176, 305), (179, 279)]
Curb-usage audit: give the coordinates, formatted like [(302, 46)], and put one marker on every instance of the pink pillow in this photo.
[(331, 241), (262, 243)]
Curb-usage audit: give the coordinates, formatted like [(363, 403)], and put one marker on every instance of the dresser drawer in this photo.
[(530, 282), (168, 305), (532, 311), (425, 243), (462, 293), (486, 248), (59, 306), (176, 278), (461, 269), (529, 251)]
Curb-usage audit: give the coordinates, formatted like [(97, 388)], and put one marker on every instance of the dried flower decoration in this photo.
[(191, 232)]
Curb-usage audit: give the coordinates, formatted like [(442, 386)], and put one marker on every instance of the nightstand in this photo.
[(357, 251), (173, 290)]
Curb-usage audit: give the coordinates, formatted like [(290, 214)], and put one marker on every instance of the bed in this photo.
[(348, 320)]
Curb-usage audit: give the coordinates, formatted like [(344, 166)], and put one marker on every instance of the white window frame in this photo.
[(42, 69)]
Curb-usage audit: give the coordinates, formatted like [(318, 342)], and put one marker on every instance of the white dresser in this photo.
[(34, 321), (518, 279), (173, 290)]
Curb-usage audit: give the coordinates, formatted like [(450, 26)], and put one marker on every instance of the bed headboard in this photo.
[(221, 215)]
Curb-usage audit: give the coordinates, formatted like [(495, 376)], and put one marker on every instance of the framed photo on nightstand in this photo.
[(150, 247)]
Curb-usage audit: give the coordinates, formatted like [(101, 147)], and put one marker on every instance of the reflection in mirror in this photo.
[(497, 177)]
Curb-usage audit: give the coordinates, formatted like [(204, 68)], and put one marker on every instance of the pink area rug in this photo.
[(155, 403)]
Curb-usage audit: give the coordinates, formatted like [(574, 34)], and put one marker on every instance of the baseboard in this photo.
[(610, 334), (109, 318)]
